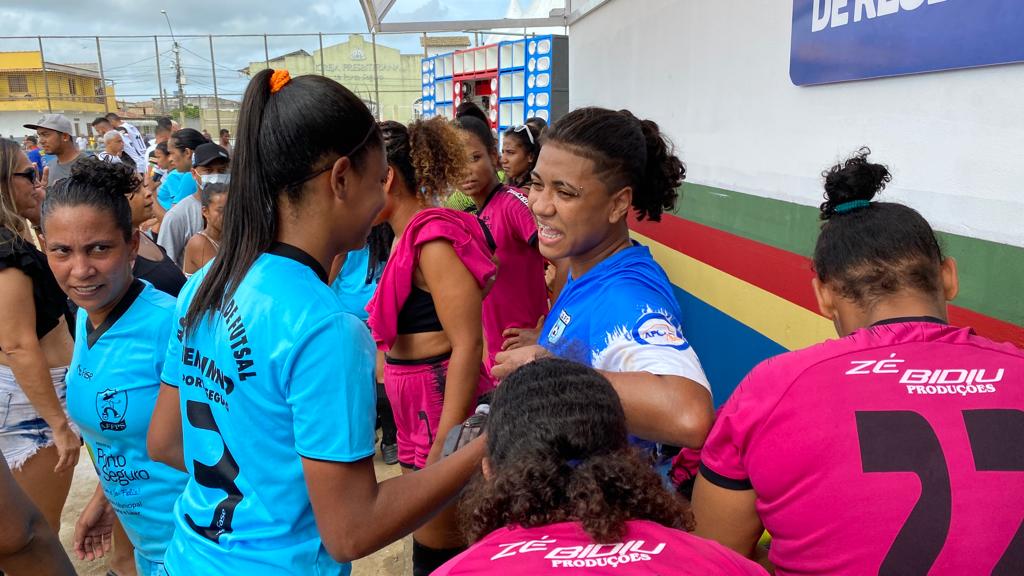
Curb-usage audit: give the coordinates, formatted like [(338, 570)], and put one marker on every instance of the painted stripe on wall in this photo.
[(991, 273), (779, 272), (787, 324), (728, 349)]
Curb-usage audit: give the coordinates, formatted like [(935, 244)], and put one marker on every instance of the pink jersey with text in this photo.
[(898, 449), (519, 296), (564, 548)]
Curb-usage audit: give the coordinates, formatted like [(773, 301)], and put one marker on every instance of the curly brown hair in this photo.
[(558, 450), (428, 155)]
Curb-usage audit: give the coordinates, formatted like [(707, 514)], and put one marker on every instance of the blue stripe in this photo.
[(728, 349)]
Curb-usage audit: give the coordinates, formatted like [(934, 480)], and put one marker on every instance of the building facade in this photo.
[(389, 84), (75, 90)]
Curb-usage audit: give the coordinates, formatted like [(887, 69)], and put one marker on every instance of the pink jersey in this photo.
[(519, 296), (896, 450), (646, 548)]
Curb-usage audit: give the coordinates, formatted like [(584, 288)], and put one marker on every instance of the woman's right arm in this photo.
[(24, 355), (357, 516), (164, 441)]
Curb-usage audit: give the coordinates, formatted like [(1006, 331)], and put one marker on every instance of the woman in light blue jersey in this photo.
[(617, 312), (121, 334), (268, 389)]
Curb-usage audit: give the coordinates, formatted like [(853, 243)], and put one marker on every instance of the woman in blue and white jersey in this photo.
[(617, 313), (122, 331), (268, 392)]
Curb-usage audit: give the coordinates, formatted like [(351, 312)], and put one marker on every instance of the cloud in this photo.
[(131, 63)]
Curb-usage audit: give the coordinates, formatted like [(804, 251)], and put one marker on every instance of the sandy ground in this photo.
[(391, 561)]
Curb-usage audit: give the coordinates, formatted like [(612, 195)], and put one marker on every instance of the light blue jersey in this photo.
[(351, 285), (280, 372), (175, 187), (622, 316), (113, 383)]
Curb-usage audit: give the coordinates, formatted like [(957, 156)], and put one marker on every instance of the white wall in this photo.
[(13, 122), (715, 75)]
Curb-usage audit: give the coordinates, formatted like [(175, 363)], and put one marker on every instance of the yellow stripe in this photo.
[(788, 324)]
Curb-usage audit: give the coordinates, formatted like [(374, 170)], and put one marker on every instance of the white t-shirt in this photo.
[(180, 224)]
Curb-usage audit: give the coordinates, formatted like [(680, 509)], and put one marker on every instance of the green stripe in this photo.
[(991, 274)]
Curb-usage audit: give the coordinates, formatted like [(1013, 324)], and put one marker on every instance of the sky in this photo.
[(131, 62)]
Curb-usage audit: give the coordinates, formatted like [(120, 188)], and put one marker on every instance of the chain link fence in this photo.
[(199, 80)]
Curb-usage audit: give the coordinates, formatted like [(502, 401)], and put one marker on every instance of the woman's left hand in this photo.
[(508, 361)]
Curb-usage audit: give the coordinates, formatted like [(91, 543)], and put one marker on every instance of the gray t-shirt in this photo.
[(180, 224), (58, 172)]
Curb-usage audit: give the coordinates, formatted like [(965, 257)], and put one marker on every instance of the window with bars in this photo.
[(72, 89), (17, 83)]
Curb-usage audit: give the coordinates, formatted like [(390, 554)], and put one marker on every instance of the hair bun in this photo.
[(853, 179)]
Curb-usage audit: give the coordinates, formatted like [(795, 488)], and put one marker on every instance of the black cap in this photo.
[(209, 152)]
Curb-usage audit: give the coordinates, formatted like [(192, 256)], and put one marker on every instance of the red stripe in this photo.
[(784, 274)]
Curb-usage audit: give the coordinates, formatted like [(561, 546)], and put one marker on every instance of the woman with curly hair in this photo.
[(426, 314), (563, 491)]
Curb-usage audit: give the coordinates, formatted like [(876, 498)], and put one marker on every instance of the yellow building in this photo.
[(352, 63), (75, 90)]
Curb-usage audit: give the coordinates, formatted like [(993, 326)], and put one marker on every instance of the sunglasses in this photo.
[(529, 133), (31, 175)]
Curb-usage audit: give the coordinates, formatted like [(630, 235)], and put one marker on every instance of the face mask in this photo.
[(215, 179)]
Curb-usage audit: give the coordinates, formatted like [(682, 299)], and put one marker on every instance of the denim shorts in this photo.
[(22, 431)]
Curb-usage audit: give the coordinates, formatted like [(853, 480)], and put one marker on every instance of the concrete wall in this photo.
[(715, 74)]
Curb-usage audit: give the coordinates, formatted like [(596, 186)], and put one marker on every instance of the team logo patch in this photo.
[(559, 328), (658, 329), (111, 406)]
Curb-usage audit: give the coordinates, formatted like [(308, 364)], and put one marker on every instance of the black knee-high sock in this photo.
[(426, 559), (385, 416)]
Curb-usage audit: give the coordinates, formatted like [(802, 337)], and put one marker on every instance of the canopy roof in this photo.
[(539, 14)]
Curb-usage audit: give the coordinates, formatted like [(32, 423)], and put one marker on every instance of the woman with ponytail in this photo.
[(426, 315), (894, 449), (563, 491), (267, 398), (618, 312)]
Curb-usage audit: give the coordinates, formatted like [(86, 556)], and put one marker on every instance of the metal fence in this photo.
[(200, 80)]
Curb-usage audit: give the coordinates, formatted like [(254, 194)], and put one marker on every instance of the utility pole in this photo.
[(178, 78)]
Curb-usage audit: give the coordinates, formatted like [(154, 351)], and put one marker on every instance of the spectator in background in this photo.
[(114, 150), (54, 131), (162, 133), (179, 183), (134, 144), (31, 146), (225, 140), (206, 133), (82, 142), (185, 219)]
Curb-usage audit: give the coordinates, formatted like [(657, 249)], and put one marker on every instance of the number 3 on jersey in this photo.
[(903, 441), (220, 476)]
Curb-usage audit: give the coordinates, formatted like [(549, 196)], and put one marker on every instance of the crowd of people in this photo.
[(226, 327)]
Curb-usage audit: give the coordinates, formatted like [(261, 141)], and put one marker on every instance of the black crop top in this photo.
[(50, 301), (418, 314)]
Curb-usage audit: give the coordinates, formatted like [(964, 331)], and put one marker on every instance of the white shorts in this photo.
[(22, 431)]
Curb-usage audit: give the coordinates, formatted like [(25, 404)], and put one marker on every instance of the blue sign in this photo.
[(840, 40)]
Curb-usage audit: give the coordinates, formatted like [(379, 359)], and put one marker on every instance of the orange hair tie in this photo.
[(278, 79)]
